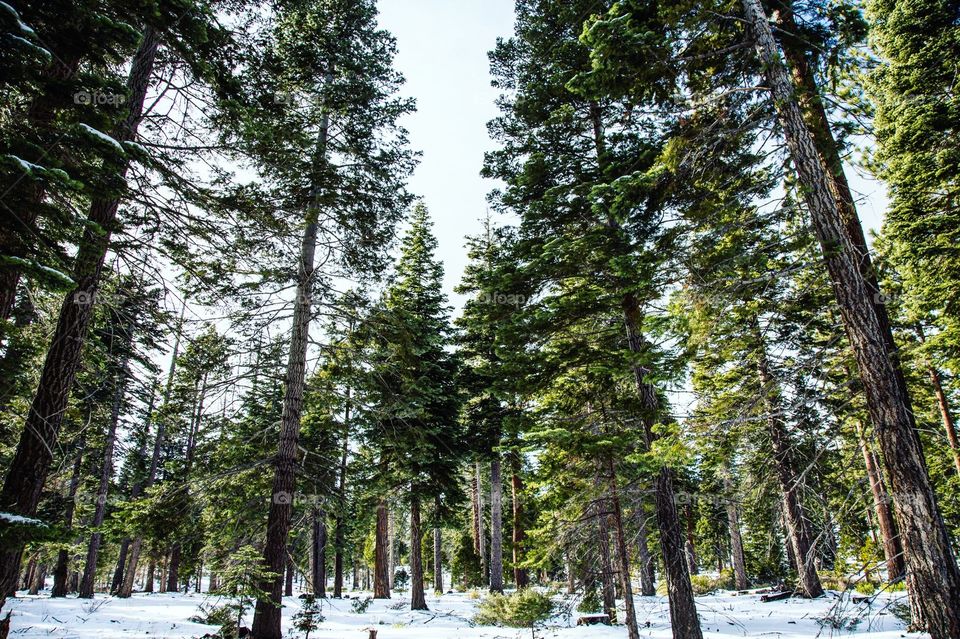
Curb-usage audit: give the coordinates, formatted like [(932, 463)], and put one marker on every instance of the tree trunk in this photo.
[(798, 531), (106, 472), (691, 548), (288, 575), (607, 587), (266, 619), (892, 550), (481, 532), (943, 404), (173, 569), (684, 621), (417, 599), (339, 533), (126, 589), (496, 526), (437, 561), (63, 557), (320, 553), (519, 534), (644, 556), (150, 577), (381, 579), (623, 558), (934, 575), (736, 542), (28, 469)]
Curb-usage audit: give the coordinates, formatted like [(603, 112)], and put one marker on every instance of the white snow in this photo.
[(100, 135), (44, 53), (28, 167), (20, 519), (723, 616)]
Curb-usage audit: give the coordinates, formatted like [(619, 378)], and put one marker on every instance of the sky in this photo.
[(442, 51)]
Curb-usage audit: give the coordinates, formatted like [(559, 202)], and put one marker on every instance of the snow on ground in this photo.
[(723, 616)]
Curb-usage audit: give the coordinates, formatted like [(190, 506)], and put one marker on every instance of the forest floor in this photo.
[(723, 615)]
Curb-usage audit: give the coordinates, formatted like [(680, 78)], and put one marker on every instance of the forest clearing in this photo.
[(479, 318)]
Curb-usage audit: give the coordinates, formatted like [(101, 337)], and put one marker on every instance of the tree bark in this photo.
[(943, 404), (736, 542), (481, 532), (381, 578), (623, 558), (798, 531), (417, 598), (934, 577), (892, 550), (63, 557), (106, 472), (266, 618), (644, 556), (519, 534), (339, 533), (320, 553), (126, 589), (684, 621), (28, 469), (437, 561), (496, 526), (288, 575), (607, 588), (691, 548)]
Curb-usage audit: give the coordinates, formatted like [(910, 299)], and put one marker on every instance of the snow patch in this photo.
[(100, 135), (20, 519)]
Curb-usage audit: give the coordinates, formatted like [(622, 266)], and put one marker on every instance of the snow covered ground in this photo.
[(723, 615)]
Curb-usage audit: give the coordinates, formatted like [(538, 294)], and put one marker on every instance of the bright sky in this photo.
[(443, 47), (442, 52)]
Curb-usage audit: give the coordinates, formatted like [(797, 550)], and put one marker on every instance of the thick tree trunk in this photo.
[(381, 578), (106, 472), (319, 553), (151, 575), (266, 618), (519, 534), (892, 550), (288, 575), (798, 531), (173, 569), (737, 557), (623, 558), (28, 469), (934, 577), (63, 557), (496, 526), (684, 621), (417, 598)]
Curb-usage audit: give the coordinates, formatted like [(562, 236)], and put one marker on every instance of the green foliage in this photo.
[(590, 603), (522, 609), (360, 605), (309, 617), (241, 577)]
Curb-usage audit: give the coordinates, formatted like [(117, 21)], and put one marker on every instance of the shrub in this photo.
[(865, 587), (522, 609), (590, 602), (309, 617), (211, 615), (400, 580), (360, 606)]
